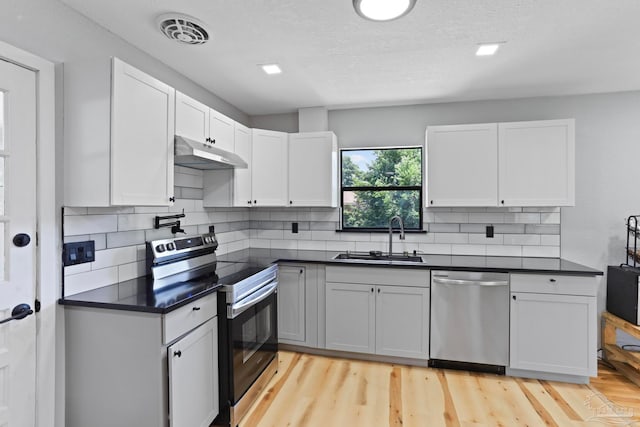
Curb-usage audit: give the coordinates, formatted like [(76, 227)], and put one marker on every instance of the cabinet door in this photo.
[(291, 304), (402, 321), (350, 317), (553, 333), (462, 165), (192, 118), (193, 377), (269, 168), (242, 177), (536, 163), (313, 169), (142, 133), (221, 130)]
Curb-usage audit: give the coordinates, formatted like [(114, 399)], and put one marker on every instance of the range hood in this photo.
[(198, 155)]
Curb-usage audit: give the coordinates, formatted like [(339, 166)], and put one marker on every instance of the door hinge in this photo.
[(36, 305), (37, 239)]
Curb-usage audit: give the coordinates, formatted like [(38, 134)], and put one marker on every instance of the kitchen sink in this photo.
[(377, 256)]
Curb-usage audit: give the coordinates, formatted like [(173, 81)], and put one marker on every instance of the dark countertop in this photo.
[(137, 295), (432, 262)]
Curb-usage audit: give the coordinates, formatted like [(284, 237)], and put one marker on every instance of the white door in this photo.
[(291, 307), (17, 262)]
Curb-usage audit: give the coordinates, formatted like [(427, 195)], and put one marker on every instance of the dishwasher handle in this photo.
[(441, 280)]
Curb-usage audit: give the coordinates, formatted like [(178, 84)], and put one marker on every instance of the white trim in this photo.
[(48, 226)]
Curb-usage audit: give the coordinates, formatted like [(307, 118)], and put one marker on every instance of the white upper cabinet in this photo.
[(242, 177), (462, 165), (197, 121), (221, 130), (502, 164), (313, 169), (192, 118), (537, 163), (269, 168), (119, 131)]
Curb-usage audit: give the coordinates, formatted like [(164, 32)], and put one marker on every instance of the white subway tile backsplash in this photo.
[(451, 217), (499, 250), (482, 239), (109, 257), (126, 238), (312, 245), (187, 205), (325, 235), (100, 241), (70, 210), (522, 218), (158, 210), (469, 250), (261, 243), (192, 193), (541, 251), (341, 246), (188, 171), (131, 271), (135, 222), (270, 234), (78, 268), (521, 239), (435, 248), (549, 240), (88, 224), (90, 280), (290, 215), (457, 238), (355, 237), (111, 210), (550, 218), (284, 244), (188, 181), (486, 218)]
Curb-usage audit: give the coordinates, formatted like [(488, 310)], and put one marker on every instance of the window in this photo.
[(378, 184)]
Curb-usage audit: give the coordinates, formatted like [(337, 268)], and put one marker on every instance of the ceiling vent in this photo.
[(183, 28)]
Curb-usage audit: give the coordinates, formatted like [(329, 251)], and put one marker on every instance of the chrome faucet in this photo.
[(391, 232)]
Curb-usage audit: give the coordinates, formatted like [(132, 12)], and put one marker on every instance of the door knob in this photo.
[(21, 240), (20, 311)]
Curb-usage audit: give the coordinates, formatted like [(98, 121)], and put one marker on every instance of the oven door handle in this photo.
[(235, 310)]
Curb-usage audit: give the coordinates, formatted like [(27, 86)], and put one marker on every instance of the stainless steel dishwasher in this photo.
[(469, 320)]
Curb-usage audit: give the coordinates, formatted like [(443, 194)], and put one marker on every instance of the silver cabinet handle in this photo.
[(470, 282), (235, 310)]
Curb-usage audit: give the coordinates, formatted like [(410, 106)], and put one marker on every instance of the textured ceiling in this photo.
[(332, 57)]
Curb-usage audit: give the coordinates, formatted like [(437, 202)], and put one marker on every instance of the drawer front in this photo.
[(379, 276), (178, 322), (554, 284)]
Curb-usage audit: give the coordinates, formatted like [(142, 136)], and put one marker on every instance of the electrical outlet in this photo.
[(78, 252), (489, 232), (294, 227)]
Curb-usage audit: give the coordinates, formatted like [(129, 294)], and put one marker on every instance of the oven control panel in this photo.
[(181, 245)]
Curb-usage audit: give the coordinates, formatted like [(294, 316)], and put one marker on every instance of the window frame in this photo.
[(419, 188)]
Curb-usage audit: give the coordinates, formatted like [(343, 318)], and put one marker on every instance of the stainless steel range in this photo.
[(248, 339)]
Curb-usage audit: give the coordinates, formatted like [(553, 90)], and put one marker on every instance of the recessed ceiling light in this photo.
[(487, 49), (383, 10), (271, 68)]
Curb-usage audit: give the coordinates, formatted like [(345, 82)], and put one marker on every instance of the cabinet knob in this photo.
[(208, 139), (290, 202), (196, 308), (502, 201), (172, 199), (255, 201), (514, 297), (213, 141), (177, 353), (552, 280), (301, 271), (249, 201), (378, 290), (371, 289), (431, 202)]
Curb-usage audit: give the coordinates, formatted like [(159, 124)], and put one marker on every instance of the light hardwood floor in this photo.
[(313, 390)]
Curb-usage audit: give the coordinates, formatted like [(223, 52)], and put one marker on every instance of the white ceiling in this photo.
[(332, 57)]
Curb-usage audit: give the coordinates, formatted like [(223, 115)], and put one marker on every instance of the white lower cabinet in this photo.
[(351, 317), (129, 368), (298, 302), (193, 365), (384, 319), (552, 331)]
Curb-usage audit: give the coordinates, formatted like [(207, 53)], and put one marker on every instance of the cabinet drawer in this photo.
[(178, 322), (379, 276), (554, 284)]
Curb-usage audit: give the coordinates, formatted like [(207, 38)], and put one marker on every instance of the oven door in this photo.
[(254, 338)]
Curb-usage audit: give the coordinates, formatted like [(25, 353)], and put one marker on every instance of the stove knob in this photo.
[(160, 248), (170, 246), (207, 239)]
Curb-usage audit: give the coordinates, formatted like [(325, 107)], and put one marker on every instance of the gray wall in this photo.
[(280, 122), (607, 149), (56, 32)]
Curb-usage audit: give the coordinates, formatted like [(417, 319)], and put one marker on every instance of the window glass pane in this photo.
[(373, 209), (382, 168)]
